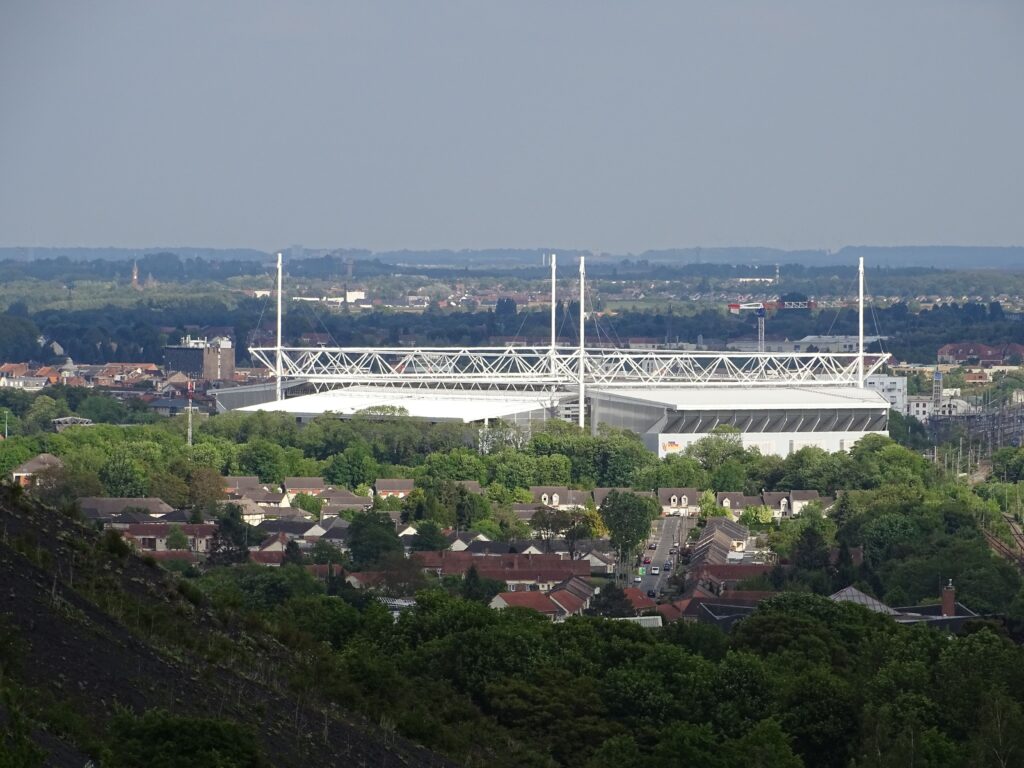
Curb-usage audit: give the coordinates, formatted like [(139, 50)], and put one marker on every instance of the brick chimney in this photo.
[(949, 599)]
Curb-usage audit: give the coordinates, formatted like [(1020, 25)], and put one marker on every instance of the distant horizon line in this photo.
[(538, 249)]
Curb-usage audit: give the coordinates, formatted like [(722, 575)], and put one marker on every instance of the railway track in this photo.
[(1014, 554)]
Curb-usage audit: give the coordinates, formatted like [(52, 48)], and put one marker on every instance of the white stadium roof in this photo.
[(748, 398), (432, 404)]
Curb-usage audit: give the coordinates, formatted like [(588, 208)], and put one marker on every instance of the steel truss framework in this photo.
[(526, 368)]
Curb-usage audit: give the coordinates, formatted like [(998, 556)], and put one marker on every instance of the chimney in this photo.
[(949, 600)]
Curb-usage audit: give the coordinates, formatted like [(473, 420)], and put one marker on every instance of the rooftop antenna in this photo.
[(277, 373), (860, 323), (583, 283)]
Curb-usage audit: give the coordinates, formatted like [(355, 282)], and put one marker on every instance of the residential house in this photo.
[(550, 495), (601, 563), (366, 579), (719, 578), (311, 486), (153, 536), (473, 486), (569, 598), (272, 501), (525, 512), (639, 600), (948, 614), (270, 551), (736, 502), (236, 486), (778, 502), (519, 572), (397, 487), (25, 474), (482, 547), (338, 500), (684, 502), (251, 512), (800, 499), (459, 541), (102, 508), (534, 601)]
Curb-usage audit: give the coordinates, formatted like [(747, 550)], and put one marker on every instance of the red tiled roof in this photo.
[(734, 572), (567, 601), (267, 558), (321, 571), (640, 601), (672, 611), (536, 601)]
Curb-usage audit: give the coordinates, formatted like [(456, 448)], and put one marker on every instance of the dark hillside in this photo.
[(90, 634)]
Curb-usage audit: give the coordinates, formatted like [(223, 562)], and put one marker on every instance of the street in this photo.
[(666, 533)]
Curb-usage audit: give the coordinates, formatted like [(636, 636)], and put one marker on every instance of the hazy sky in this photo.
[(614, 126)]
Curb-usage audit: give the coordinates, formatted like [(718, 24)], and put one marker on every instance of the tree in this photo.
[(169, 487), (172, 741), (811, 553), (429, 537), (628, 519), (722, 444), (311, 504), (708, 504), (612, 603), (205, 487), (619, 750), (230, 543), (176, 538), (730, 475), (371, 537), (480, 590), (469, 508), (263, 459), (122, 476), (292, 554), (41, 413)]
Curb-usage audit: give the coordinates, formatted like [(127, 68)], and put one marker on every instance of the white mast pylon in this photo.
[(860, 328), (583, 284), (277, 372), (554, 298)]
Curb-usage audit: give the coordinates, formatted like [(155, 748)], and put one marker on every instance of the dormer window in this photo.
[(726, 503), (543, 498), (685, 502), (675, 501), (784, 504), (554, 499)]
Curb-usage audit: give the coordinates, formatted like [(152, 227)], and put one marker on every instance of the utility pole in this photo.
[(191, 386)]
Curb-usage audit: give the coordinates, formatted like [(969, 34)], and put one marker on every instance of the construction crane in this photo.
[(761, 309)]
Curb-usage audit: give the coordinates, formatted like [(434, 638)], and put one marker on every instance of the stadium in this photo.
[(779, 402)]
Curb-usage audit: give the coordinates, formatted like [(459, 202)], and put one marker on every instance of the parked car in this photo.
[(674, 551), (637, 579), (647, 560), (652, 545), (668, 565), (652, 594), (655, 570)]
